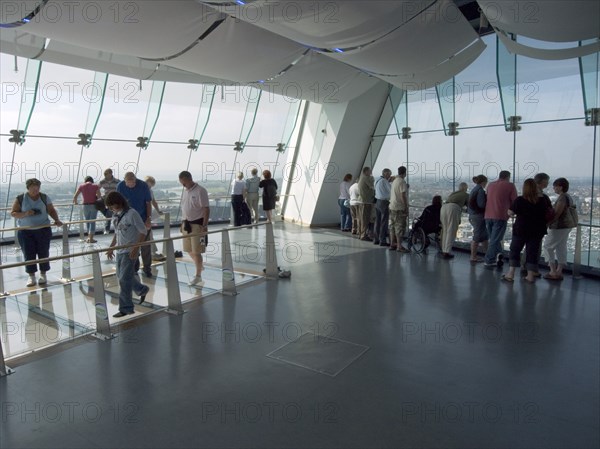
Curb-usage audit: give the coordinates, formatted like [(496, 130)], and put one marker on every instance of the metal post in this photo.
[(2, 291), (4, 370), (81, 217), (272, 270), (17, 247), (66, 262), (577, 254), (102, 324), (173, 293), (167, 231), (228, 275)]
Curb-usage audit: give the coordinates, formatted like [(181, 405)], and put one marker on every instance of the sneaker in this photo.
[(143, 295), (499, 260), (158, 257), (106, 232), (31, 281), (197, 280), (42, 279), (147, 273), (490, 265)]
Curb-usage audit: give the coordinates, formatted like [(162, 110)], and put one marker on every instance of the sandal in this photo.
[(553, 277), (507, 279), (528, 281)]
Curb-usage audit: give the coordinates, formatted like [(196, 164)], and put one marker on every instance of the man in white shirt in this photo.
[(252, 194), (195, 212), (238, 194), (355, 207)]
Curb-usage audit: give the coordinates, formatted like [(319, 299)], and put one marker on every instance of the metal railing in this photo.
[(102, 326)]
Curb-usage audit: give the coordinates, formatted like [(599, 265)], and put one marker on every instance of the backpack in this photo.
[(473, 203), (43, 197)]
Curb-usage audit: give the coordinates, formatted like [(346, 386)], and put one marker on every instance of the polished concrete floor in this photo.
[(455, 358)]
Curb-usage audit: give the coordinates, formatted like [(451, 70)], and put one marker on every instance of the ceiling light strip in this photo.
[(212, 28), (25, 20)]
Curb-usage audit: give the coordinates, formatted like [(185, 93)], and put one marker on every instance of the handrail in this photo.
[(133, 245), (103, 326)]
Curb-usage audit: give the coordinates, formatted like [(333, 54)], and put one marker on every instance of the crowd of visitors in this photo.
[(377, 210)]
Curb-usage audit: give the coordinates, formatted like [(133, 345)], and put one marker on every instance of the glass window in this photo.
[(179, 112), (477, 95), (124, 110)]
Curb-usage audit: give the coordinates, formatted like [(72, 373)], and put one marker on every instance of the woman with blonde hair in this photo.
[(528, 230)]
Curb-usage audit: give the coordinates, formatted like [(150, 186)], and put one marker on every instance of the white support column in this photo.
[(2, 291), (173, 293), (66, 262), (272, 271), (335, 140), (228, 275), (102, 324)]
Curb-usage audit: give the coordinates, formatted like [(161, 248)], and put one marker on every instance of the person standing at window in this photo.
[(31, 209), (90, 193)]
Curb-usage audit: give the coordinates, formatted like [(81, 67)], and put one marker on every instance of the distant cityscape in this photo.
[(168, 193)]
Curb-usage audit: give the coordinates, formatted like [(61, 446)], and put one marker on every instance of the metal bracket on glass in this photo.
[(513, 123), (592, 117), (453, 128), (406, 133)]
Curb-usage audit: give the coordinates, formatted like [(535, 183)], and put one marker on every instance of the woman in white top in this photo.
[(344, 203)]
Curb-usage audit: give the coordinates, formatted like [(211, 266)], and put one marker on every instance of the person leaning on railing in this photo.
[(31, 209)]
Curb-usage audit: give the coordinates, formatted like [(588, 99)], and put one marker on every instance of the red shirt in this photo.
[(500, 196), (88, 191)]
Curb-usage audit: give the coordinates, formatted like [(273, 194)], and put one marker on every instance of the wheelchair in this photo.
[(420, 238)]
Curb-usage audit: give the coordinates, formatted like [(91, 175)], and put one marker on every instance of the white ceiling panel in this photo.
[(326, 24), (239, 52), (434, 36), (546, 20), (144, 28)]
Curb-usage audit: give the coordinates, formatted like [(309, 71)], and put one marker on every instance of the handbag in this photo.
[(100, 205), (569, 218)]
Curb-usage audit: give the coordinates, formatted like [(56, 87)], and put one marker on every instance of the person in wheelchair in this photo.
[(429, 220)]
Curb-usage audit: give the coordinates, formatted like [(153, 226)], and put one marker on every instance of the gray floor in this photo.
[(455, 359)]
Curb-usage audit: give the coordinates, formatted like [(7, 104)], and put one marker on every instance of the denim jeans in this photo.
[(108, 214), (128, 283), (90, 213), (532, 251), (345, 217), (35, 244), (382, 213), (495, 230)]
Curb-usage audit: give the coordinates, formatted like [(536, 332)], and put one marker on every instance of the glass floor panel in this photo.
[(34, 318)]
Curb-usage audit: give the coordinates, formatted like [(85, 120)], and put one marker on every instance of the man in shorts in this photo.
[(195, 212)]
